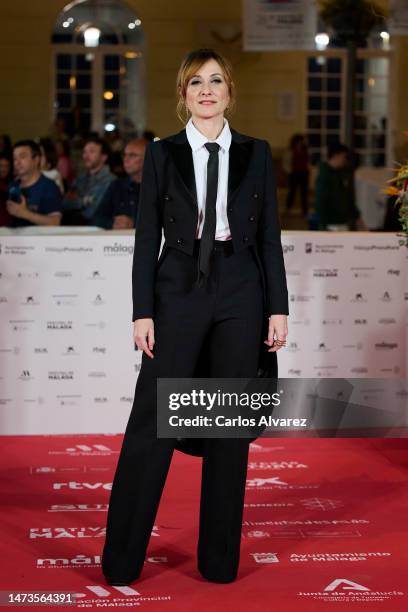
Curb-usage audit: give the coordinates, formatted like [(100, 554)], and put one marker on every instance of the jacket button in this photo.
[(251, 218), (180, 241), (254, 195), (245, 238), (167, 197), (229, 208), (171, 219)]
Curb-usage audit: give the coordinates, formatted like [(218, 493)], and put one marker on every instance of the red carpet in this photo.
[(325, 526)]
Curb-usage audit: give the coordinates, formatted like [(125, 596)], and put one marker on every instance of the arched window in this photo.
[(99, 68)]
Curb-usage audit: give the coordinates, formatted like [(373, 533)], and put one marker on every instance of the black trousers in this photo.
[(228, 314), (298, 180)]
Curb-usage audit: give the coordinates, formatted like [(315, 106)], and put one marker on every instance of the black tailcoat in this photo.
[(168, 202)]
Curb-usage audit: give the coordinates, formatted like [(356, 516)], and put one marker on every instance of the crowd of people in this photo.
[(41, 185)]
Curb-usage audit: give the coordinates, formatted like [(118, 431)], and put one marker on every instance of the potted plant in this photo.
[(399, 189)]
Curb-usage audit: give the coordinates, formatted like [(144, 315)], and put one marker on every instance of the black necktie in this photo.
[(210, 221)]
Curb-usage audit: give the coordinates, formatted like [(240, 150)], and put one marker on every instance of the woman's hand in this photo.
[(278, 325), (143, 334)]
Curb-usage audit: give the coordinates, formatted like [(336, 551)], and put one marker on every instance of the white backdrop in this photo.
[(67, 358)]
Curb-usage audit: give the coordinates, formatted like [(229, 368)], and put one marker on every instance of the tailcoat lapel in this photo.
[(240, 154)]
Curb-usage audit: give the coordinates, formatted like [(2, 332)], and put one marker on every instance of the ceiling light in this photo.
[(91, 36)]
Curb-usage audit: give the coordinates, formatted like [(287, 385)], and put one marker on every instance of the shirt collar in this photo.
[(198, 140)]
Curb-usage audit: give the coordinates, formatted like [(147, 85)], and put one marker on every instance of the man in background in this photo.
[(121, 199), (82, 203), (334, 194), (33, 199)]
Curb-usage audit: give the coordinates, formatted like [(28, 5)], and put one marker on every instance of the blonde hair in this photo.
[(189, 66)]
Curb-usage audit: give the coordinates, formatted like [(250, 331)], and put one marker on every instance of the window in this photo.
[(325, 104), (99, 88)]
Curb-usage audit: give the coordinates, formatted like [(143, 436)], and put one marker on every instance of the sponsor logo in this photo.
[(276, 465), (82, 486), (359, 297), (325, 273), (59, 324), (322, 348), (325, 371), (70, 350), (78, 508), (376, 247), (301, 298), (21, 325), (344, 590), (30, 301), (261, 482), (342, 556), (86, 450), (99, 350), (265, 557), (65, 300), (98, 301), (327, 248), (358, 346), (98, 324), (61, 375), (66, 532), (318, 503), (28, 275), (68, 400), (385, 346), (25, 375), (118, 248), (96, 275), (362, 272), (12, 249), (68, 249), (85, 560)]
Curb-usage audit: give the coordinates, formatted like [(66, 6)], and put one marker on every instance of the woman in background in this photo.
[(296, 165)]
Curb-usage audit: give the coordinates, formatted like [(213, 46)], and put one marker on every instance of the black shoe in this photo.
[(117, 581)]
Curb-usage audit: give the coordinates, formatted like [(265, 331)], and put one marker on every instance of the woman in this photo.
[(64, 163), (6, 177), (220, 278), (296, 164), (48, 163)]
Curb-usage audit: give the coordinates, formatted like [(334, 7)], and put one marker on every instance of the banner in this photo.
[(279, 25), (67, 358), (398, 20)]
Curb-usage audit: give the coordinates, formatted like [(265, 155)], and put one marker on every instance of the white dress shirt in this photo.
[(197, 141)]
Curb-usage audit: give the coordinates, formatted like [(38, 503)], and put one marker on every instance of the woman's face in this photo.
[(4, 168), (207, 93), (43, 160)]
